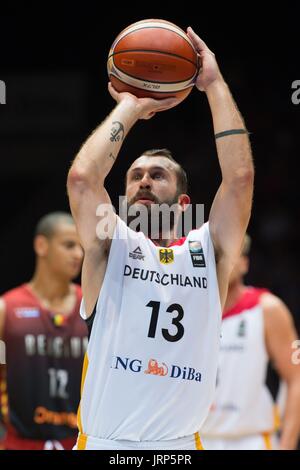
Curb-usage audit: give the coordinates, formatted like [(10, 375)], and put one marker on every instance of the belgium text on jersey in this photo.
[(57, 346), (165, 279), (152, 219)]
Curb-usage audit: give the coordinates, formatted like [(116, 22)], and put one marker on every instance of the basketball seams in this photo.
[(152, 24), (156, 52), (152, 81), (172, 87), (180, 33), (153, 21)]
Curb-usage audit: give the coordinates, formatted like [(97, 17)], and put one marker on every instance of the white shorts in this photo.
[(84, 442), (264, 441)]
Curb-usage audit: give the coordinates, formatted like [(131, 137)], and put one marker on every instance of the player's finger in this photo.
[(112, 91), (196, 39)]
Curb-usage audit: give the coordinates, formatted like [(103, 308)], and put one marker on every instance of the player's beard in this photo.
[(157, 222)]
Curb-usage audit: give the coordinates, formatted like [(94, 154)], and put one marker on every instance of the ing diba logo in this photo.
[(174, 371), (155, 369)]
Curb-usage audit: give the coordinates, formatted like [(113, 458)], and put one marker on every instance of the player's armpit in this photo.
[(228, 221), (93, 272)]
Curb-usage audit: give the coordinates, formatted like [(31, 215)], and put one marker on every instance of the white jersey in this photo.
[(243, 404), (151, 364)]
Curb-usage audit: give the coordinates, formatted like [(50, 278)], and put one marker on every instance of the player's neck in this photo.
[(50, 287), (165, 239), (235, 291), (164, 242)]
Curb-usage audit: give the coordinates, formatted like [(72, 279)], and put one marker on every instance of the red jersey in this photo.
[(44, 356)]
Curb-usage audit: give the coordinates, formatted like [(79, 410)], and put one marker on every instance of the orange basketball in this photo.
[(153, 58)]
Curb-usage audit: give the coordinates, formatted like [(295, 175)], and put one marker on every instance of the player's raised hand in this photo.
[(209, 69), (146, 108)]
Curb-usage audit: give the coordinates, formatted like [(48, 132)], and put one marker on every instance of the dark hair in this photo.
[(182, 181), (48, 223)]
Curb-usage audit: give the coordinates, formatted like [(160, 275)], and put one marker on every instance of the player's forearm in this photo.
[(98, 154), (291, 423), (234, 151)]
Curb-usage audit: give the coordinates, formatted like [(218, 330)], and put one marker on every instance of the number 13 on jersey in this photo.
[(176, 321)]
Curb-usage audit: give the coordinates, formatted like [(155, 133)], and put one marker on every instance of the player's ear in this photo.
[(184, 201), (40, 245)]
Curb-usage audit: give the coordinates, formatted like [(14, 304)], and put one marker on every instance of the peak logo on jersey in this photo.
[(166, 255), (174, 371), (197, 254), (155, 369), (27, 312), (137, 254)]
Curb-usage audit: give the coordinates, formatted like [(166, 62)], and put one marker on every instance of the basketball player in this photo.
[(257, 327), (153, 306), (45, 342)]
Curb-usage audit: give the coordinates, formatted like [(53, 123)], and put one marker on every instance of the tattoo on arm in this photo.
[(117, 132), (112, 157)]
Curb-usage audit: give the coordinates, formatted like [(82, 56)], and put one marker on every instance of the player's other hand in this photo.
[(145, 108), (209, 70)]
